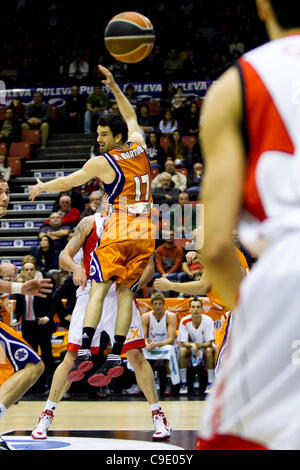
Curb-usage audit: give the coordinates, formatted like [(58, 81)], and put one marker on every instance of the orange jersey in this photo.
[(133, 179)]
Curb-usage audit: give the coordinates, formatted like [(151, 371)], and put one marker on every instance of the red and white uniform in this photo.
[(135, 338), (256, 392), (187, 330)]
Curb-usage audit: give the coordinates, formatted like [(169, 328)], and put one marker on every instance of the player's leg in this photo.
[(145, 379), (18, 384), (183, 362), (59, 386), (210, 366)]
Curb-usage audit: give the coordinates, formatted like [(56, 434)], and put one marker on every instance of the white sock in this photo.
[(2, 410), (183, 374), (50, 405), (113, 357), (211, 375), (155, 406)]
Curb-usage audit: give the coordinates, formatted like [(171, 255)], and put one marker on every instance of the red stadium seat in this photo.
[(53, 112), (183, 171), (164, 143), (19, 149), (154, 108), (33, 136), (2, 111), (15, 164), (190, 140), (3, 147), (154, 172)]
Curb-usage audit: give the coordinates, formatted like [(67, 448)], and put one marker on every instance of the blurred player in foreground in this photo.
[(86, 237), (20, 366), (250, 139)]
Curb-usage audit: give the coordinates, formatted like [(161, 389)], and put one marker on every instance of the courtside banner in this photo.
[(144, 91)]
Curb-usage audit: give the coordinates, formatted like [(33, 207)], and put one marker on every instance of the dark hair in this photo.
[(195, 299), (287, 13), (116, 123)]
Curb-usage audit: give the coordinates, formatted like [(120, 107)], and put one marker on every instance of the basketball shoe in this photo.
[(82, 364), (110, 369), (162, 427), (42, 426)]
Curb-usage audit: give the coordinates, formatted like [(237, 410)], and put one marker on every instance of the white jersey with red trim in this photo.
[(271, 86)]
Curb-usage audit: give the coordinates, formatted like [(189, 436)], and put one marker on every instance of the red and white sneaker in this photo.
[(43, 424), (162, 428)]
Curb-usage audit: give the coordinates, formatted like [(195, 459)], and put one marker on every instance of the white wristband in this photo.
[(16, 288)]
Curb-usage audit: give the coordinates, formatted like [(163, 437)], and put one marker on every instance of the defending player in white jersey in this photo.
[(85, 236), (250, 139)]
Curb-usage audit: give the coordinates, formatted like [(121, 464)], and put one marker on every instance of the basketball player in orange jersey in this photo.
[(126, 242), (250, 139), (76, 258), (20, 366)]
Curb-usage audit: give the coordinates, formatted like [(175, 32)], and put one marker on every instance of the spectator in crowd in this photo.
[(165, 192), (236, 47), (179, 180), (196, 335), (191, 271), (130, 95), (75, 109), (173, 65), (5, 169), (9, 73), (98, 103), (46, 258), (168, 258), (177, 149), (155, 151), (69, 215), (37, 116), (77, 200), (194, 181), (166, 96), (119, 71), (190, 121), (144, 119), (37, 324), (28, 269), (26, 72), (179, 101), (183, 218), (18, 109), (79, 69), (66, 291), (56, 231), (9, 128), (96, 204), (159, 328), (168, 124), (115, 108)]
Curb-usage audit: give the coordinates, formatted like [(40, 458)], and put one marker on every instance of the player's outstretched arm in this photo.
[(189, 288), (66, 260), (35, 287), (125, 107), (94, 167)]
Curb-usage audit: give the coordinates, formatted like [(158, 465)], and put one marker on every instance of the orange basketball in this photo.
[(129, 37)]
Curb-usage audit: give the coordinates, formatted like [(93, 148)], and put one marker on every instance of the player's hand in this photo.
[(43, 320), (35, 190), (8, 271), (162, 284), (79, 276), (150, 347), (109, 78), (40, 288)]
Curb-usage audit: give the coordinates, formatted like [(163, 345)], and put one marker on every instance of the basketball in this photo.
[(129, 37)]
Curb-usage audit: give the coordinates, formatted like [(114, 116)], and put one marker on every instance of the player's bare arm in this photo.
[(66, 260), (39, 288), (97, 166), (147, 275), (189, 288), (224, 153), (125, 107)]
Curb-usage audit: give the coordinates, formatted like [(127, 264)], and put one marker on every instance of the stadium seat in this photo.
[(183, 171), (19, 149), (15, 164), (190, 140), (3, 147), (2, 111), (164, 143), (154, 108), (154, 172), (53, 112), (33, 136)]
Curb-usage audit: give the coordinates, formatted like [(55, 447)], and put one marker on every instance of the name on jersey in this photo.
[(130, 154)]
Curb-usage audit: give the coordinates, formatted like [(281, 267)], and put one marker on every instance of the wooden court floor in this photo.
[(128, 418)]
